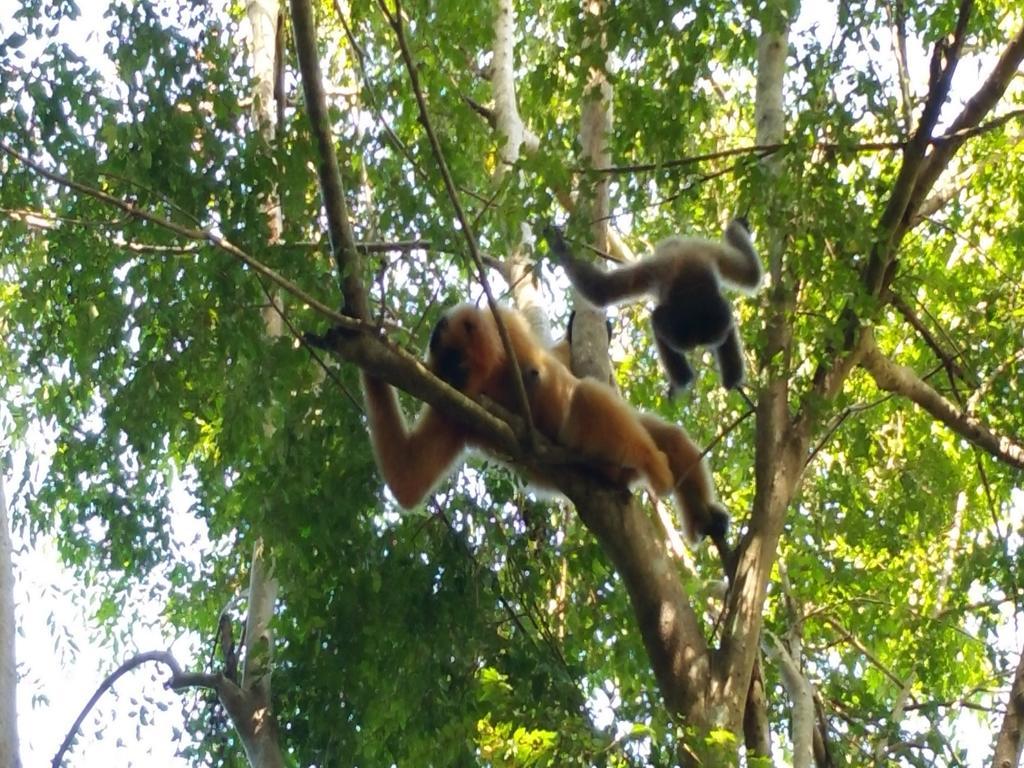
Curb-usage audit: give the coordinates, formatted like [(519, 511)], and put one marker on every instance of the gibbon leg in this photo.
[(729, 355), (695, 495), (680, 374), (602, 426)]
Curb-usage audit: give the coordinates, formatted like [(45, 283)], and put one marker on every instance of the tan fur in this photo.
[(692, 485), (584, 415), (694, 491)]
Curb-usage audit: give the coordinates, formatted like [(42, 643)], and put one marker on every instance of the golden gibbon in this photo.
[(685, 276), (584, 415)]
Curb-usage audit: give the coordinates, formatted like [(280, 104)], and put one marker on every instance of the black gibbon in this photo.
[(685, 276), (465, 350)]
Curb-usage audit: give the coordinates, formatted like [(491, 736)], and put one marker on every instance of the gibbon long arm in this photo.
[(412, 461)]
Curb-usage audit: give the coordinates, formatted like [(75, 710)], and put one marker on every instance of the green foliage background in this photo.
[(437, 637)]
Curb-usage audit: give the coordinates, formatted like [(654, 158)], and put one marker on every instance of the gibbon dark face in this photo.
[(448, 361)]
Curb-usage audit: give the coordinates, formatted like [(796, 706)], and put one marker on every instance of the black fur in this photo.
[(691, 313), (448, 362)]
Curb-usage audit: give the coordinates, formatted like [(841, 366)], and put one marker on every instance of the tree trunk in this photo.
[(1008, 744), (589, 333), (8, 660)]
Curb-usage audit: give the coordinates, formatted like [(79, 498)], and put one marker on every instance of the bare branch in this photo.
[(177, 681), (893, 377), (967, 123), (949, 362)]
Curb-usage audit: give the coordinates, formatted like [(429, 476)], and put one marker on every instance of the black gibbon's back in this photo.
[(685, 276)]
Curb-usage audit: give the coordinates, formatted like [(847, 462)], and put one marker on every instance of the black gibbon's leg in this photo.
[(680, 374), (729, 355)]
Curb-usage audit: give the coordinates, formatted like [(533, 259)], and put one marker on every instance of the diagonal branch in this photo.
[(177, 681), (916, 177), (364, 348), (949, 361), (968, 121), (339, 227), (668, 625), (945, 57), (893, 377)]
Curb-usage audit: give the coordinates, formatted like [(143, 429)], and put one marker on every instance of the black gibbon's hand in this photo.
[(557, 247), (328, 340)]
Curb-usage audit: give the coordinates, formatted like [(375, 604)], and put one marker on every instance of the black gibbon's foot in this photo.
[(680, 374), (717, 529), (329, 339), (718, 524)]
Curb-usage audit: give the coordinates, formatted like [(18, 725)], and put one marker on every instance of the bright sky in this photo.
[(63, 656)]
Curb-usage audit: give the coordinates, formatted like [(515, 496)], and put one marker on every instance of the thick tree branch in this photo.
[(258, 640), (778, 449), (916, 177), (590, 338), (668, 624), (511, 128), (968, 121), (893, 377), (757, 734), (518, 267), (9, 750), (801, 695), (364, 347), (945, 57)]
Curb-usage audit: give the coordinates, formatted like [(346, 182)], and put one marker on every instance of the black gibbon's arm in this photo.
[(685, 276)]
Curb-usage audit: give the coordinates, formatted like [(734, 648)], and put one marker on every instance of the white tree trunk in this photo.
[(8, 660), (518, 269)]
